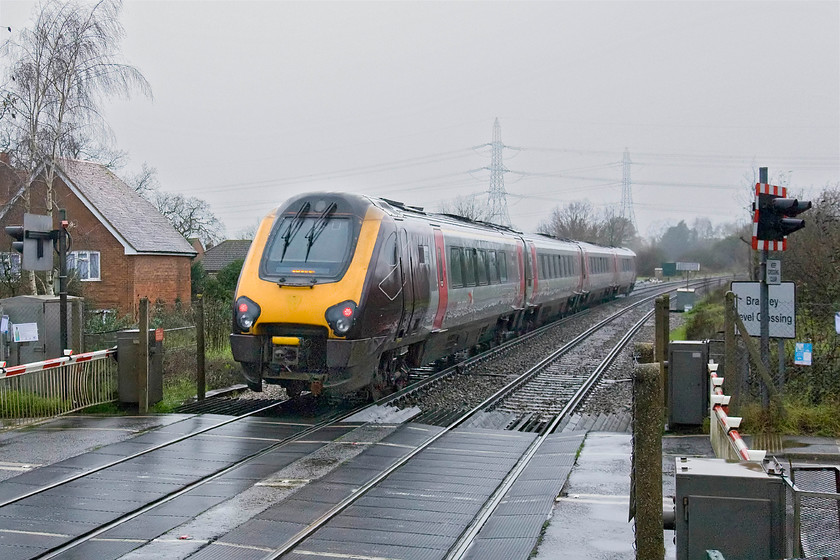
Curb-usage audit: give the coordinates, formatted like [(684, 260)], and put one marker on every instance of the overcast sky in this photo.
[(257, 101)]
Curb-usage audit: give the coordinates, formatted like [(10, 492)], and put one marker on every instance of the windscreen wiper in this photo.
[(293, 227), (319, 226)]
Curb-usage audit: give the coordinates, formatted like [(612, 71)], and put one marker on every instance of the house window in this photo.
[(85, 263), (9, 265)]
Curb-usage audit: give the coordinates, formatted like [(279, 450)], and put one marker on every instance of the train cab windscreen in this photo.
[(306, 249)]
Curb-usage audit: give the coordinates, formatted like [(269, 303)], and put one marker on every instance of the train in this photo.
[(344, 293)]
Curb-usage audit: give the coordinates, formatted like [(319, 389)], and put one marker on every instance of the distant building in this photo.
[(226, 252), (122, 248)]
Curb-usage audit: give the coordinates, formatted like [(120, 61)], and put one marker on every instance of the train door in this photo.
[(442, 282), (585, 283), (532, 251), (520, 267), (407, 266)]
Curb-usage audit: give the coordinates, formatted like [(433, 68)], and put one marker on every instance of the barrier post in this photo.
[(201, 386), (143, 358), (661, 339), (647, 460)]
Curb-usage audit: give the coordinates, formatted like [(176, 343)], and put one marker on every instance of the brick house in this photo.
[(122, 248)]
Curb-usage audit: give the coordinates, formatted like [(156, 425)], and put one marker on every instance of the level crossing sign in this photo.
[(781, 307)]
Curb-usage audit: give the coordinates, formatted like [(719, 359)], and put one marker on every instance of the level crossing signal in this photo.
[(30, 240), (774, 217)]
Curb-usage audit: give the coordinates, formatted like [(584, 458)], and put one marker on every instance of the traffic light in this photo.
[(34, 241), (774, 217), (17, 233)]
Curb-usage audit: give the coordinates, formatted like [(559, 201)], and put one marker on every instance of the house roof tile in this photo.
[(218, 257), (130, 216)]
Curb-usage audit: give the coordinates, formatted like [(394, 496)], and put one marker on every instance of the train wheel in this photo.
[(295, 388), (252, 372), (376, 391)]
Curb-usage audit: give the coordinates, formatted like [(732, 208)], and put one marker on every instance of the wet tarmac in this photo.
[(589, 521), (24, 449)]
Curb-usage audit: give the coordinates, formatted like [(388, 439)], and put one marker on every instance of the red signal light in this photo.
[(243, 307), (347, 311)]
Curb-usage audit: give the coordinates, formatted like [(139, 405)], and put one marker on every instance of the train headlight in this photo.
[(340, 317), (245, 313)]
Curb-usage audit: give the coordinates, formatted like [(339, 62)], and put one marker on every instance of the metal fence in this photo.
[(816, 510), (32, 392)]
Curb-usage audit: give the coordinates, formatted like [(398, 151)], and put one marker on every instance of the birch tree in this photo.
[(61, 71), (190, 216)]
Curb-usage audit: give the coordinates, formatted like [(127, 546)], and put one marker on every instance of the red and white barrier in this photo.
[(723, 427), (56, 362)]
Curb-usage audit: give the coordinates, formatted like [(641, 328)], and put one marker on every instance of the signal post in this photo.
[(29, 240), (774, 218)]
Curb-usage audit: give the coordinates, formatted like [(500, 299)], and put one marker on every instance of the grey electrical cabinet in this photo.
[(34, 327), (685, 299), (128, 357), (688, 382), (735, 508)]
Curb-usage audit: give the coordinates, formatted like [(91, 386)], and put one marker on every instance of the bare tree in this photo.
[(576, 220), (615, 230), (190, 216), (145, 182), (249, 232), (465, 206), (61, 71)]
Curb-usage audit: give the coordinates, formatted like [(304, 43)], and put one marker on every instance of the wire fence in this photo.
[(41, 392)]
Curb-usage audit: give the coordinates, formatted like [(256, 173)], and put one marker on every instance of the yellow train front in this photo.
[(319, 296)]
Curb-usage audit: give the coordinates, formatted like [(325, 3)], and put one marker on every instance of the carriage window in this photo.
[(501, 260), (481, 267), (469, 267), (456, 277), (492, 267)]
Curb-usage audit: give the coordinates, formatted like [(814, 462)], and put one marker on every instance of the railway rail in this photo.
[(61, 488), (461, 546), (66, 488)]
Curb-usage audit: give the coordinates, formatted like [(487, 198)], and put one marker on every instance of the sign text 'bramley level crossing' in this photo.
[(781, 307)]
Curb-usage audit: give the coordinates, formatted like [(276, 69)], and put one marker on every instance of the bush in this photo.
[(800, 417)]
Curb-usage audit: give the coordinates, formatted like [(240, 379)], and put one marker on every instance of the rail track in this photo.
[(512, 400), (520, 393)]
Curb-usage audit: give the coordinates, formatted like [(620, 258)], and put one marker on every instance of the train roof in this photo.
[(399, 209)]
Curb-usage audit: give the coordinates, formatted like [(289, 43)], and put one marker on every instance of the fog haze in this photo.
[(257, 101)]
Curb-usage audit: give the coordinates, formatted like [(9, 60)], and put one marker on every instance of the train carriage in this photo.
[(346, 292)]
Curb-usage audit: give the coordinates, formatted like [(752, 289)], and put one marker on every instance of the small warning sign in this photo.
[(802, 354)]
